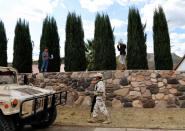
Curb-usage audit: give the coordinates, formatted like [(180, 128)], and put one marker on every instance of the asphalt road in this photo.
[(65, 128)]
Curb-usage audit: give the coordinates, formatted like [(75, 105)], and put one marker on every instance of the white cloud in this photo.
[(130, 2), (177, 43), (95, 5), (88, 29), (117, 23), (36, 9), (175, 13), (33, 11), (174, 10), (147, 13), (177, 37), (99, 5), (62, 4), (179, 48)]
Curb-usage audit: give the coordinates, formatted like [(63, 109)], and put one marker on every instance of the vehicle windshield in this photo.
[(7, 77)]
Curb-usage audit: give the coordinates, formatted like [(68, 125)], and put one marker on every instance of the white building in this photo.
[(181, 65)]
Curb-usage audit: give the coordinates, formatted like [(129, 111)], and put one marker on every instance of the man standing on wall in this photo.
[(121, 48), (99, 106), (45, 60)]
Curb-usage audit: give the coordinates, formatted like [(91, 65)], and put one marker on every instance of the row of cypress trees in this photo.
[(22, 56), (101, 50), (98, 54), (136, 44)]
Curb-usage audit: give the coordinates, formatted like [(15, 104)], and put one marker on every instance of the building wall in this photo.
[(124, 89)]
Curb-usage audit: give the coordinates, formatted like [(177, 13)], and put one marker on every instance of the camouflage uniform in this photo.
[(100, 99)]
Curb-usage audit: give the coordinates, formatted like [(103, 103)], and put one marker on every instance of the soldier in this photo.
[(99, 105)]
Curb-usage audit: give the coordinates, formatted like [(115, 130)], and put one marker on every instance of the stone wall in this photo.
[(141, 89)]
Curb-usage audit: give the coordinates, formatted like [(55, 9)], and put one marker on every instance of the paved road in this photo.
[(64, 128)]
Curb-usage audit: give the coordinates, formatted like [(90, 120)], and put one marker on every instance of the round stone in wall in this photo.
[(159, 96), (137, 104)]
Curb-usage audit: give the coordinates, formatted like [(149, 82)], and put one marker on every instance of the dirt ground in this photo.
[(126, 118)]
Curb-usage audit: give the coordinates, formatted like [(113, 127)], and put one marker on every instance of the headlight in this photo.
[(14, 103), (6, 106)]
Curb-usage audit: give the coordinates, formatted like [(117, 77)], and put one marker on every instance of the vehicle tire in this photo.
[(51, 116), (19, 127), (6, 124)]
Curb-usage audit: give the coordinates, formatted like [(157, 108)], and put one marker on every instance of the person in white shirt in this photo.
[(121, 48)]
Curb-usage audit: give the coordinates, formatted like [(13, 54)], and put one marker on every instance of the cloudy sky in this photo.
[(35, 11)]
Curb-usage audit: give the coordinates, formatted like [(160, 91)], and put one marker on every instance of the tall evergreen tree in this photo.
[(162, 50), (22, 56), (50, 39), (3, 45), (75, 59), (105, 57), (136, 43)]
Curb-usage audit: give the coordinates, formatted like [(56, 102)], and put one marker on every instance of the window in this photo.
[(7, 77)]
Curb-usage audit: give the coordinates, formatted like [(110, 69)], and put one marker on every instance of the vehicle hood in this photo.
[(19, 91)]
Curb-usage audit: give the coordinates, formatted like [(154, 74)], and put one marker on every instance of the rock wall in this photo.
[(141, 89)]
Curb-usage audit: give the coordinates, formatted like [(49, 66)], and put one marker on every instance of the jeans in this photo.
[(44, 66)]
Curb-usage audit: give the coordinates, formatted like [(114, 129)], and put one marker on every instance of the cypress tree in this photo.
[(50, 39), (105, 57), (75, 59), (136, 43), (162, 50), (22, 56), (3, 45)]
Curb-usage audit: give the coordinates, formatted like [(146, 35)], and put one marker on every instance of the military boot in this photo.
[(107, 121), (92, 120)]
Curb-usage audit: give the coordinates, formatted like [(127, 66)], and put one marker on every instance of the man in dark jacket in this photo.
[(121, 48)]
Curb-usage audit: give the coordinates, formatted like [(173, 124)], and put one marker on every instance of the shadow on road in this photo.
[(60, 128)]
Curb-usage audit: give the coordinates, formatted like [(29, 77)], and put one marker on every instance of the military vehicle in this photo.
[(25, 104)]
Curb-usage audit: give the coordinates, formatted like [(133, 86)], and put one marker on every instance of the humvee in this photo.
[(25, 104)]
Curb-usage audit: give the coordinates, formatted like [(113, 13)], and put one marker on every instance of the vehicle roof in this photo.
[(4, 69)]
